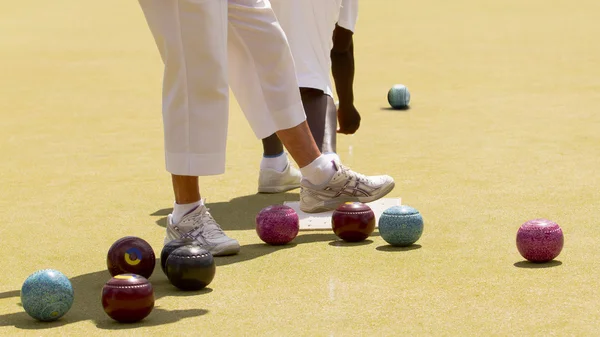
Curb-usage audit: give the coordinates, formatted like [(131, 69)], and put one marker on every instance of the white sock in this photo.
[(179, 211), (278, 162), (319, 171), (332, 156)]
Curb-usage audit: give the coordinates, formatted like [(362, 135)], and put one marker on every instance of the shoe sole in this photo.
[(224, 249), (277, 189), (332, 204)]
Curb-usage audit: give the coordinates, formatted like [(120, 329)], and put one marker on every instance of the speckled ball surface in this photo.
[(400, 225), (399, 96), (540, 240), (277, 224), (47, 295)]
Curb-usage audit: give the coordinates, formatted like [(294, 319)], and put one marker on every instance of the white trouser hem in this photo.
[(280, 120), (188, 164)]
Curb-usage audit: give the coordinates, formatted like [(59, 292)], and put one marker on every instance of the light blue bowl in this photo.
[(47, 295), (401, 225), (399, 96)]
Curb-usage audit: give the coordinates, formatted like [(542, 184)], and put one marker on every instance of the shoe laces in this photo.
[(210, 228), (348, 172)]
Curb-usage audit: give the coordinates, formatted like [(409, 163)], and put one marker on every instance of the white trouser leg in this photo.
[(261, 68), (191, 37), (349, 14), (309, 25)]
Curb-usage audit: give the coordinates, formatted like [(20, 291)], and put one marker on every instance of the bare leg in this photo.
[(300, 144), (186, 189)]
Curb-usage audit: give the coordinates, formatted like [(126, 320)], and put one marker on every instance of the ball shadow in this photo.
[(390, 248), (315, 237), (163, 288), (237, 213), (406, 108), (88, 307), (342, 243), (537, 265), (12, 293), (158, 316), (22, 320)]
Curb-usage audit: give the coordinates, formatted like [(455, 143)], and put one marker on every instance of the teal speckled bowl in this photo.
[(47, 295), (399, 97), (401, 225)]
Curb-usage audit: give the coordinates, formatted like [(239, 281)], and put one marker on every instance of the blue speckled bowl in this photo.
[(47, 295), (400, 225), (399, 96)]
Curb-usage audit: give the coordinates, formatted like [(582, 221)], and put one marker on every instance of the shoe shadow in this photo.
[(253, 251), (87, 305), (237, 213), (240, 213)]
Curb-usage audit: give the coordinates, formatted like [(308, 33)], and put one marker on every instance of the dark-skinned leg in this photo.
[(272, 146), (342, 69), (315, 106), (320, 118)]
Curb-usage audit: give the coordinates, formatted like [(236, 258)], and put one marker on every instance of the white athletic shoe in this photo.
[(199, 225), (273, 181), (345, 186)]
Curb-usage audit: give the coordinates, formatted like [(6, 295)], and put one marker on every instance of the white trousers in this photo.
[(309, 25), (207, 46), (349, 14)]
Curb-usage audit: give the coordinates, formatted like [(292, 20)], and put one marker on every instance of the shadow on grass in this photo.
[(342, 243), (87, 305), (238, 213), (389, 108), (253, 251), (534, 265), (390, 248)]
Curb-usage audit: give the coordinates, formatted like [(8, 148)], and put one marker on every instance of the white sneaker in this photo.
[(273, 181), (199, 225), (345, 186)]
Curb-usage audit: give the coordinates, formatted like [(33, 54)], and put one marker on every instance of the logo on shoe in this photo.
[(352, 191)]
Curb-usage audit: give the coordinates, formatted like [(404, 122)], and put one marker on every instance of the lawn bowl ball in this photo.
[(400, 225), (171, 246), (131, 255), (128, 298), (399, 97), (277, 224), (47, 295), (190, 267), (540, 240), (353, 221)]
